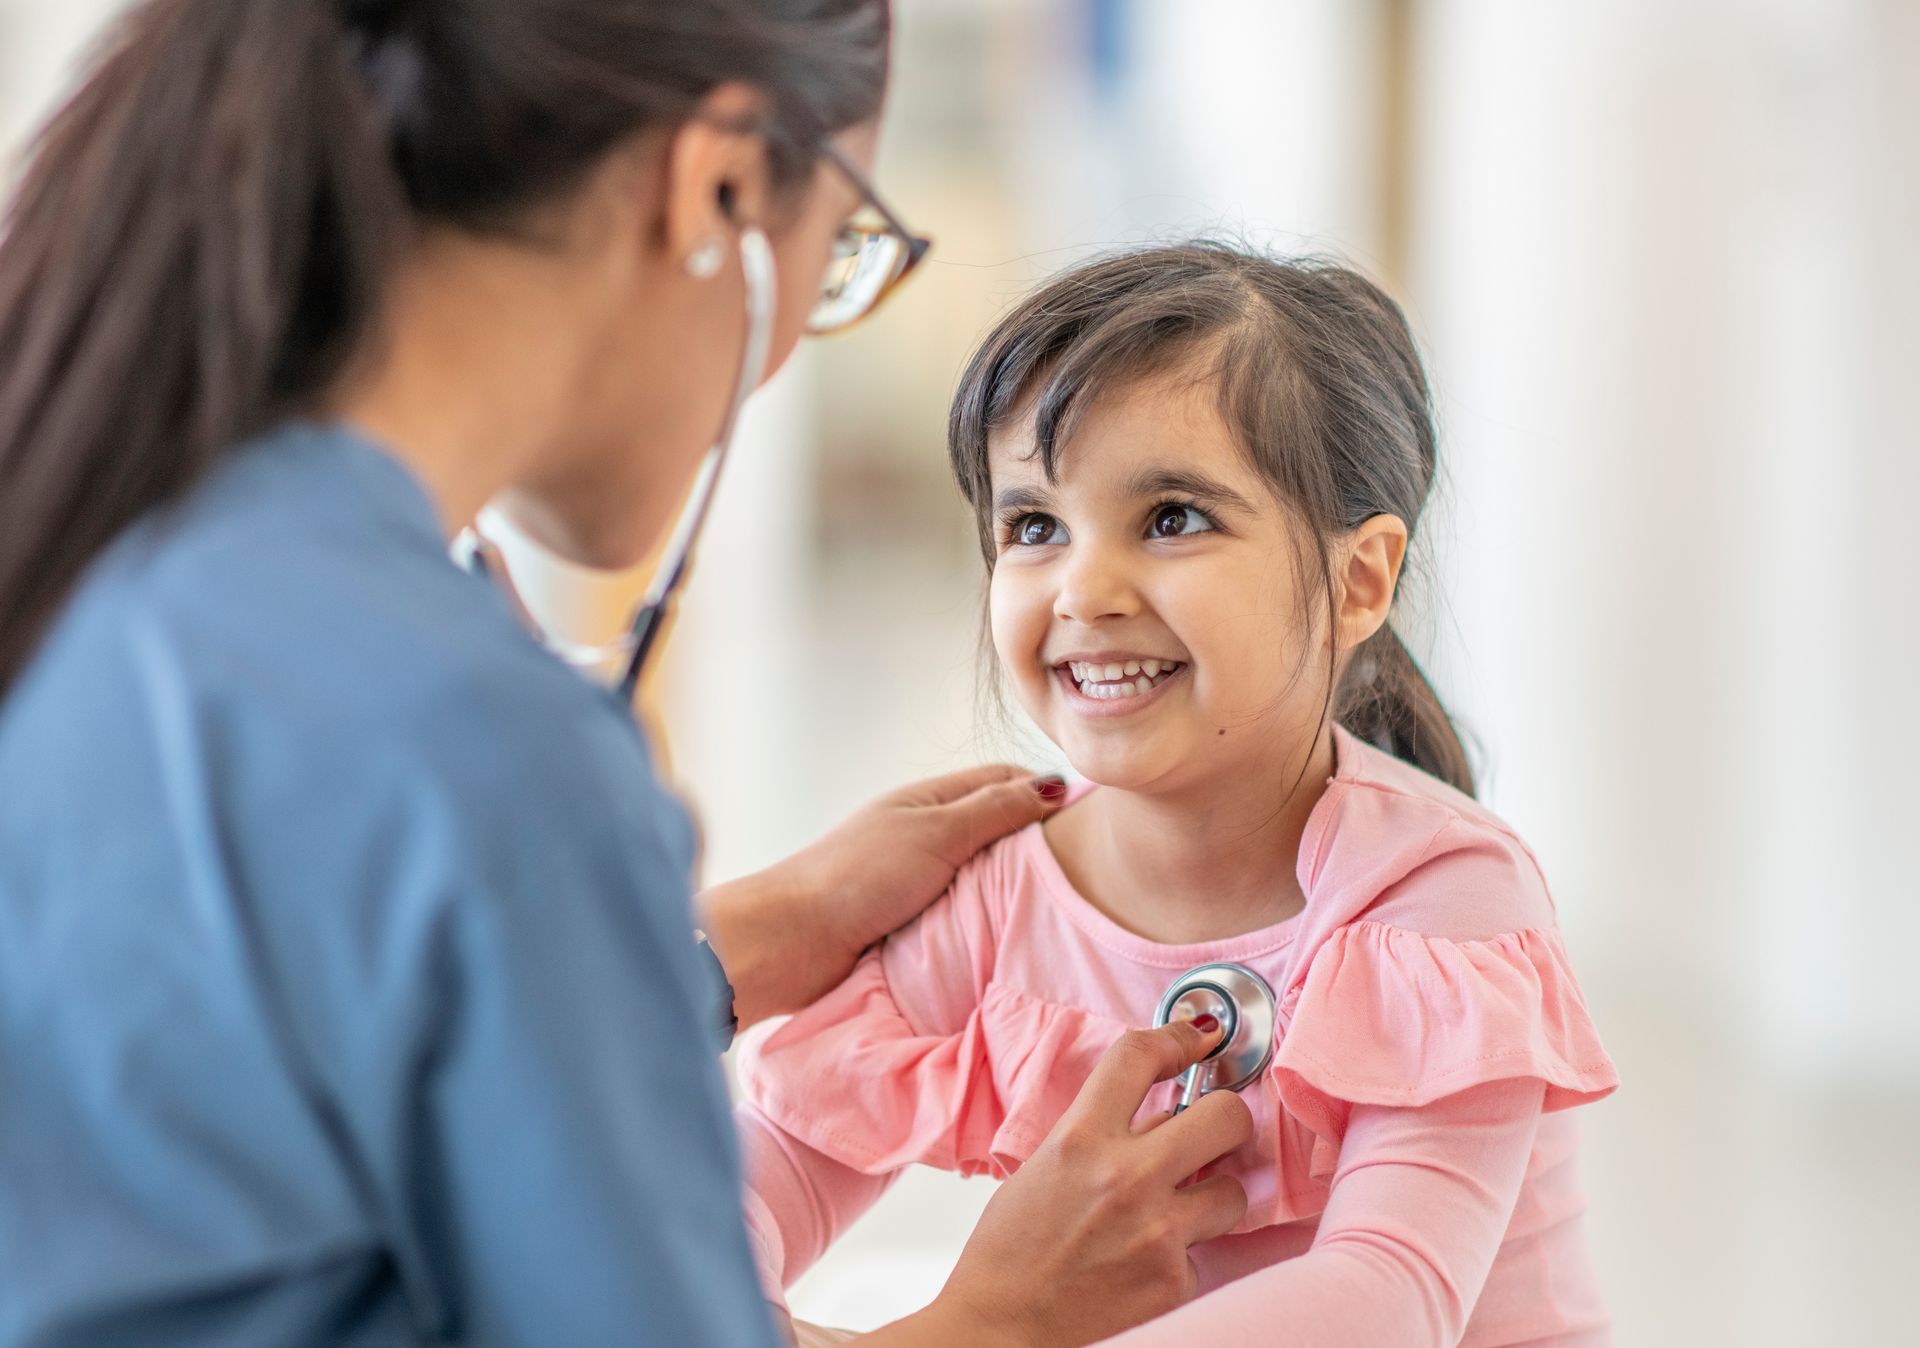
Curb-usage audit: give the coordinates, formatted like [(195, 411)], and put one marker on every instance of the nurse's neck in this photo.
[(444, 388), (506, 360), (469, 379)]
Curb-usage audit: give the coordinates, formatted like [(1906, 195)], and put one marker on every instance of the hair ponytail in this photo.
[(1385, 699), (204, 234), (200, 238)]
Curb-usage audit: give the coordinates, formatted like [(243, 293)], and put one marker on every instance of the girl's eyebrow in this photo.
[(1148, 482), (1019, 498), (1180, 482)]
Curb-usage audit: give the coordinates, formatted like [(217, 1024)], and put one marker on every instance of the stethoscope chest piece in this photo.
[(1243, 1003)]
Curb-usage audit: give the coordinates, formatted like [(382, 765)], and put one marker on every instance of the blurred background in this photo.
[(1662, 256)]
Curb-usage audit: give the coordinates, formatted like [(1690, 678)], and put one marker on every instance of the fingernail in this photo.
[(1206, 1024), (1050, 788)]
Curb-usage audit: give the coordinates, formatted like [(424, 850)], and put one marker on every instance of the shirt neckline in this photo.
[(1267, 940), (384, 472)]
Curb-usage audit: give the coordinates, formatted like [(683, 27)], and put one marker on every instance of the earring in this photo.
[(703, 263)]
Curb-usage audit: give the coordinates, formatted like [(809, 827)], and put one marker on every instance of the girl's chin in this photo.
[(1138, 767)]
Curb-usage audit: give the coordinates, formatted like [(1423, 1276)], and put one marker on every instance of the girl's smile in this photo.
[(1113, 683)]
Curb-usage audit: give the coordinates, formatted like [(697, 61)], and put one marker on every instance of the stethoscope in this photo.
[(1243, 1002), (474, 550)]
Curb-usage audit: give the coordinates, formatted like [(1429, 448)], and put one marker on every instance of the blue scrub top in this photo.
[(347, 991)]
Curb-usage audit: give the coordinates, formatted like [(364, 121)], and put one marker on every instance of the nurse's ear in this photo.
[(1367, 568), (715, 179)]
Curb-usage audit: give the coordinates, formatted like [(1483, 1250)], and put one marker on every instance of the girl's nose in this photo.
[(1093, 586)]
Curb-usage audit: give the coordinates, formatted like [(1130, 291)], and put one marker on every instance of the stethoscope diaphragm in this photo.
[(1244, 1004)]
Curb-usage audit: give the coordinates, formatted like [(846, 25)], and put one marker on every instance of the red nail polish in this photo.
[(1050, 788), (1206, 1024)]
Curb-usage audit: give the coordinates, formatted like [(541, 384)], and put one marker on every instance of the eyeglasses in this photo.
[(870, 258)]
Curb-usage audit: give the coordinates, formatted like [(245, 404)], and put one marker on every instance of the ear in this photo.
[(716, 171), (1369, 570)]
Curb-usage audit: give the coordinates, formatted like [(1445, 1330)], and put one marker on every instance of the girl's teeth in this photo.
[(1114, 672), (1132, 678), (1093, 680)]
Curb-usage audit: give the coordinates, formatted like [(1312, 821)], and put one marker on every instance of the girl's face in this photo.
[(1149, 606)]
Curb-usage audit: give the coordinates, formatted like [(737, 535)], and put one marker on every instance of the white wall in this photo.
[(39, 45), (1666, 268)]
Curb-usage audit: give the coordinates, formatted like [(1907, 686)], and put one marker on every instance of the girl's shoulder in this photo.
[(1433, 961), (894, 1066), (1390, 844), (940, 964)]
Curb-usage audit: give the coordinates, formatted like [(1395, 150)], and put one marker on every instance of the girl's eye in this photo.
[(1034, 531), (1171, 521)]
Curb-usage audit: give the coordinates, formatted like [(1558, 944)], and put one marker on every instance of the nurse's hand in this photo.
[(790, 933), (1090, 1236)]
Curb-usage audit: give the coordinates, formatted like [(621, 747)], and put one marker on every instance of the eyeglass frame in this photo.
[(917, 245)]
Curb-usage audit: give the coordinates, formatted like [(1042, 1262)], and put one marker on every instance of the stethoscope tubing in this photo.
[(757, 267)]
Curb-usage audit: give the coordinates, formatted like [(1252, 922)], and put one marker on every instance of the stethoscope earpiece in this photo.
[(1243, 1003)]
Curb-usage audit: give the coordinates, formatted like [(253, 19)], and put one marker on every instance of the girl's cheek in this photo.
[(1245, 654), (1015, 641)]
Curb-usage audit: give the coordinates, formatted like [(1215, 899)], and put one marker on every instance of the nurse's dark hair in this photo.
[(1319, 382), (204, 234)]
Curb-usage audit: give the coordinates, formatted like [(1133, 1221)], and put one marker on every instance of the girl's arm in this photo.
[(798, 1200), (791, 932), (863, 1083), (1419, 1205), (1090, 1234)]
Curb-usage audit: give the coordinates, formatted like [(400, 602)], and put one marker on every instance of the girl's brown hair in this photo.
[(1318, 380), (205, 232)]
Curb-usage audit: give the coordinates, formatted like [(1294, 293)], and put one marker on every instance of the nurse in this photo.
[(348, 989)]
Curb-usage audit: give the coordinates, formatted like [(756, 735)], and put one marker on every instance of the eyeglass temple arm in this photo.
[(914, 242)]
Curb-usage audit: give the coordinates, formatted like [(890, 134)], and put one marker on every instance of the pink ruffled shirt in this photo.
[(1412, 1175)]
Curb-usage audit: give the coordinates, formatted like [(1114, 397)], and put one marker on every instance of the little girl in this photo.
[(1195, 473)]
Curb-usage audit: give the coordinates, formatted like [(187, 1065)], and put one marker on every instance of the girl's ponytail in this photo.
[(1385, 699), (201, 238)]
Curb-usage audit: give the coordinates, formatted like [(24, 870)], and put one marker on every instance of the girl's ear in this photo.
[(1369, 568)]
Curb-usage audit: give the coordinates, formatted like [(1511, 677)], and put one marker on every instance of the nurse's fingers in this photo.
[(1138, 1061), (953, 786), (1146, 1123), (993, 811), (1214, 1125), (1212, 1207)]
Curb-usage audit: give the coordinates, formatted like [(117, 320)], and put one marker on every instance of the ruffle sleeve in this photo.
[(853, 1078), (1386, 1016)]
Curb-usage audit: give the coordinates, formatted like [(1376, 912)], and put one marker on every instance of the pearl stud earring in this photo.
[(703, 263)]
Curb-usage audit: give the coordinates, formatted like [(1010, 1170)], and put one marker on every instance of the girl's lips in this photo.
[(1107, 707)]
